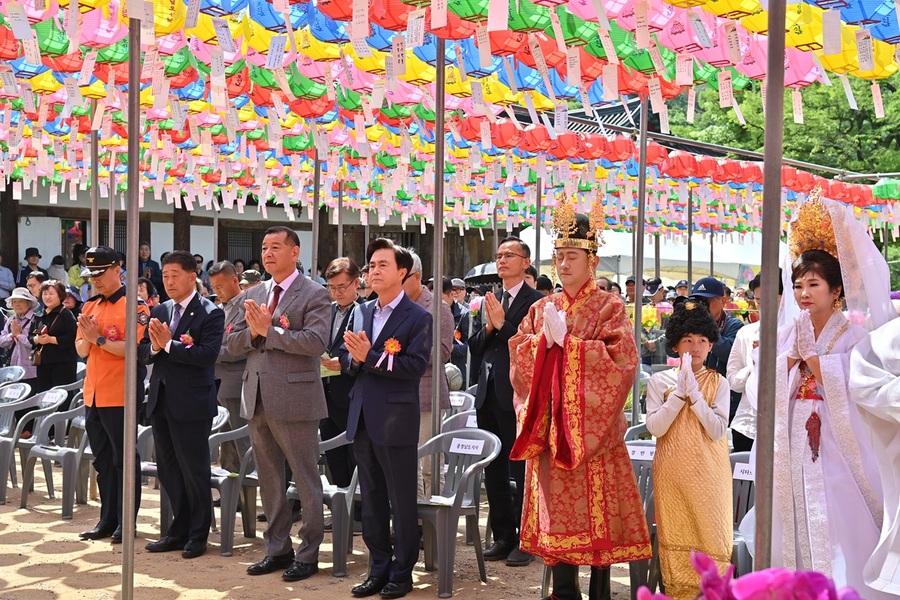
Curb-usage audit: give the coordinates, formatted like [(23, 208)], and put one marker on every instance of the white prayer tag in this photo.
[(797, 102), (826, 80), (398, 54), (483, 41), (656, 99), (726, 93), (641, 25), (275, 58), (610, 81), (602, 19), (498, 15), (664, 119), (439, 14), (692, 105), (378, 93), (415, 28), (641, 452), (17, 190), (32, 51), (608, 47), (557, 30), (74, 94), (486, 143), (738, 112), (684, 69), (561, 118), (733, 40), (193, 13), (743, 472), (865, 50), (532, 113), (573, 66), (18, 21), (223, 35), (359, 23), (700, 30), (877, 100), (657, 60), (27, 97), (585, 104), (465, 446), (848, 91), (831, 32), (148, 30)]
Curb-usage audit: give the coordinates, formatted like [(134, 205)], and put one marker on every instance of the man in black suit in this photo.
[(182, 342), (497, 321), (384, 417), (342, 275)]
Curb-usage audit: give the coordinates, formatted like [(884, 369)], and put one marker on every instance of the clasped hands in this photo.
[(494, 315), (90, 330), (358, 345), (804, 346), (555, 328), (159, 333), (258, 318), (686, 386)]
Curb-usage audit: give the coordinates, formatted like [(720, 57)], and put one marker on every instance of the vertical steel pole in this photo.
[(131, 249), (539, 189), (440, 140), (656, 255), (496, 238), (771, 226), (884, 241), (111, 231), (216, 235), (317, 194), (712, 245), (340, 209), (95, 192), (690, 240), (639, 257)]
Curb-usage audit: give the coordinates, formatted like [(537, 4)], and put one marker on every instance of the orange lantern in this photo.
[(552, 55)]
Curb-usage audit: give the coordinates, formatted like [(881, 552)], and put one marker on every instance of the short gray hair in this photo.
[(417, 262)]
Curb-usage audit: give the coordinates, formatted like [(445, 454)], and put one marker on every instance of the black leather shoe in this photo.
[(194, 548), (166, 544), (102, 530), (369, 587), (261, 518), (395, 589), (498, 551), (270, 564), (300, 571), (117, 535), (518, 558)]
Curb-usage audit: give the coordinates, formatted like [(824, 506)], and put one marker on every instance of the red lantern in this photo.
[(706, 167), (535, 139), (9, 45), (727, 171), (656, 154), (260, 96), (68, 63), (565, 146), (788, 177), (455, 29), (805, 182), (391, 14), (238, 84), (592, 146), (631, 82), (470, 128), (837, 190), (752, 172), (505, 134), (679, 165), (339, 10), (552, 55), (506, 43), (591, 67), (619, 149)]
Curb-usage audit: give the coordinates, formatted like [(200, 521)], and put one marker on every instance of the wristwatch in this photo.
[(100, 341)]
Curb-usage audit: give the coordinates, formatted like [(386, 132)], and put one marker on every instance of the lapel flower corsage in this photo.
[(457, 335), (391, 347), (284, 322), (113, 334), (229, 328), (186, 339)]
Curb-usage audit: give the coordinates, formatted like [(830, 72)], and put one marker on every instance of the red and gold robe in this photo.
[(581, 504)]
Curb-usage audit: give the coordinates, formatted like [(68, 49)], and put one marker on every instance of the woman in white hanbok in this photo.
[(827, 512)]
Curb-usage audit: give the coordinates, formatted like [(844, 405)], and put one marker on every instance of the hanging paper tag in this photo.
[(477, 97), (877, 100), (551, 130), (498, 15), (610, 80), (529, 105), (585, 103), (762, 96), (73, 22), (797, 102), (573, 66), (223, 35), (848, 91), (608, 47), (18, 21), (557, 30), (415, 29), (398, 55), (726, 94), (193, 14), (275, 58), (656, 99), (691, 105), (74, 94), (641, 25), (831, 32), (281, 78), (700, 30), (483, 41), (738, 112), (359, 23), (460, 61), (826, 80), (657, 60), (147, 68), (733, 40), (684, 69), (378, 93), (510, 76), (439, 14), (865, 50), (602, 18), (27, 99), (485, 130), (32, 51), (148, 30), (560, 118), (664, 119)]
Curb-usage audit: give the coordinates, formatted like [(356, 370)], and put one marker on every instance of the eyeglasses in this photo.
[(507, 255), (339, 288)]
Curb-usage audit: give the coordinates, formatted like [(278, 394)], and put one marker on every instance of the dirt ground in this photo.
[(41, 558)]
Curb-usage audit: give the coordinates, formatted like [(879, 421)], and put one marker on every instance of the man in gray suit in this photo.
[(284, 332), (230, 367)]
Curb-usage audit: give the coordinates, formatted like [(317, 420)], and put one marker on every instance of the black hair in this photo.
[(289, 233), (151, 289), (543, 283), (182, 258), (526, 251), (530, 270), (41, 278), (613, 284), (822, 264), (447, 286), (690, 317), (757, 281), (222, 268), (402, 256)]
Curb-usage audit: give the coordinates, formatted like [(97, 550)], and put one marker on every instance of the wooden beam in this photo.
[(9, 229)]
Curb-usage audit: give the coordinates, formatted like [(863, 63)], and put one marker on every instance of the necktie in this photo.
[(505, 303), (176, 317), (276, 296)]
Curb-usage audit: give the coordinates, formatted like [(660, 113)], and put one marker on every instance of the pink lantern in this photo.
[(99, 31), (584, 9), (718, 56), (172, 43), (36, 16), (799, 69), (753, 62), (679, 35), (659, 15), (406, 94)]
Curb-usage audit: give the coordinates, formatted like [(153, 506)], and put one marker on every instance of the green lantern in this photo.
[(424, 113), (52, 40), (622, 40), (263, 77), (576, 32), (115, 54), (887, 189), (304, 87), (348, 99), (526, 17), (178, 62), (470, 10)]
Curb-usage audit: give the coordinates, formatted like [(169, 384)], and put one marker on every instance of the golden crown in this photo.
[(812, 229), (566, 227)]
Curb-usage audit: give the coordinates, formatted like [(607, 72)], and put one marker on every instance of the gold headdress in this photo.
[(812, 229), (575, 230)]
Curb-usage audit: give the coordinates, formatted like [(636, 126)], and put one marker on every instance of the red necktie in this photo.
[(276, 296)]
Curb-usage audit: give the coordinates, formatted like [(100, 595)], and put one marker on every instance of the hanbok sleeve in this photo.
[(661, 411), (715, 418)]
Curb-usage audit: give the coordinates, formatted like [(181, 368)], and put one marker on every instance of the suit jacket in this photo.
[(230, 366), (491, 350), (425, 299), (284, 366), (389, 400), (188, 372), (338, 387)]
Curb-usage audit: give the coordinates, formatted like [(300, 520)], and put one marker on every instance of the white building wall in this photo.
[(42, 233)]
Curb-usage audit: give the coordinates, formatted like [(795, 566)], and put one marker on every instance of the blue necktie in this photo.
[(175, 318)]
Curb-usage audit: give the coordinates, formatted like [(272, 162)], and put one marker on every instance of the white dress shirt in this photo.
[(382, 314)]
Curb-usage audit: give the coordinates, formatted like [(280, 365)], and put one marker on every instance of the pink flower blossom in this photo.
[(284, 322)]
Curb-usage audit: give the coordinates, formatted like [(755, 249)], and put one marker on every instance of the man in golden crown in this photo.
[(573, 362), (828, 508)]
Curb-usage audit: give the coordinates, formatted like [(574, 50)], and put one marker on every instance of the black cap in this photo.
[(682, 283), (708, 287), (250, 276), (29, 252), (99, 259)]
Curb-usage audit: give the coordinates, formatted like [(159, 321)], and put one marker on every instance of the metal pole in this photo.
[(216, 235), (496, 237), (440, 140), (639, 257), (690, 240), (656, 258), (317, 193), (131, 303), (712, 244), (112, 212), (771, 226), (340, 209), (884, 241), (537, 224), (95, 176)]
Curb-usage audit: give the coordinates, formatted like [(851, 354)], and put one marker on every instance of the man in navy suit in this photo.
[(182, 342), (384, 417)]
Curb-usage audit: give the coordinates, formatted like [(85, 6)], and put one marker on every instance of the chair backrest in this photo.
[(461, 420), (80, 370), (145, 443), (58, 422), (335, 442), (40, 406), (466, 453), (636, 432), (742, 489), (461, 402), (11, 374), (641, 453), (220, 419), (473, 390), (12, 392), (75, 386)]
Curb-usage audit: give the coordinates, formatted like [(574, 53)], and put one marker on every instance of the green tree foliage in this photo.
[(833, 134)]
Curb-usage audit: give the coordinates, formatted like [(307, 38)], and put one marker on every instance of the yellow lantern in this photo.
[(418, 72), (804, 31), (45, 83), (732, 9), (845, 61), (205, 32), (257, 37), (497, 93), (541, 102), (95, 91), (316, 49), (373, 64), (84, 5), (884, 62), (168, 16), (455, 85)]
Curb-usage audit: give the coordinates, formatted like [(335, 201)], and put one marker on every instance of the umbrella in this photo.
[(483, 273)]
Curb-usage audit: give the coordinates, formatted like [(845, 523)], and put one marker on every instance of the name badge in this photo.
[(641, 452), (744, 472)]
